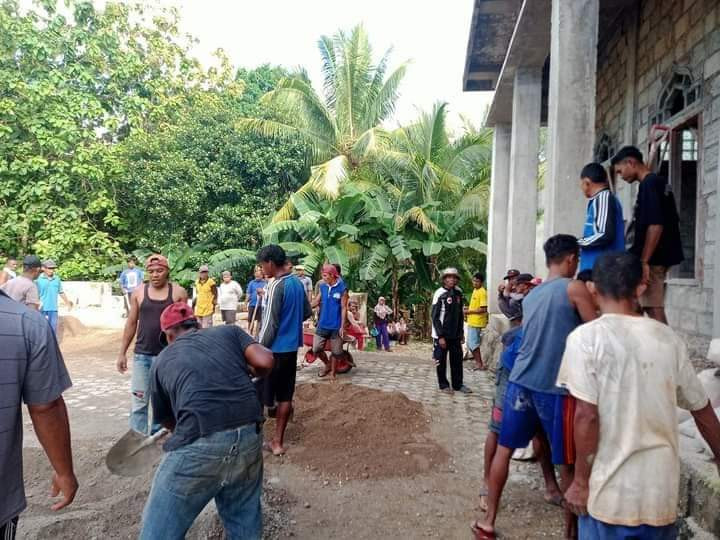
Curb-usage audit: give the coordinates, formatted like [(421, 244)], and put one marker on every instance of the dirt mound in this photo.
[(351, 432)]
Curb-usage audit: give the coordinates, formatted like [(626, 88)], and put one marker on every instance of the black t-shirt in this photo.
[(202, 381), (655, 205)]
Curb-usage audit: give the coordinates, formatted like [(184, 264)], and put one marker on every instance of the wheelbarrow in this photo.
[(342, 365)]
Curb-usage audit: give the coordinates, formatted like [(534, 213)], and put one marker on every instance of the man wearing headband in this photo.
[(332, 299), (146, 305)]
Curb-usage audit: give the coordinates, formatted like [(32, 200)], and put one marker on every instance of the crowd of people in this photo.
[(584, 377)]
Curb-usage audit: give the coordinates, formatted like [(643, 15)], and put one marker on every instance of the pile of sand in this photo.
[(354, 432)]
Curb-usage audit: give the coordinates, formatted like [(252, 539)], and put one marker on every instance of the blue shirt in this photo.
[(331, 305), (131, 279), (286, 308), (604, 230), (548, 319), (252, 288), (511, 340), (49, 290)]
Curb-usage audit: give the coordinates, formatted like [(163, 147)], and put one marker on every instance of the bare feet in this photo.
[(274, 447)]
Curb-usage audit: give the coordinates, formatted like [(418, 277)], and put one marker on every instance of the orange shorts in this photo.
[(654, 296)]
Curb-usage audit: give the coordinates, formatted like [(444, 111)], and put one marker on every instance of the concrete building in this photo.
[(599, 74)]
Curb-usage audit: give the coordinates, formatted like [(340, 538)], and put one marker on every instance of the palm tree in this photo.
[(343, 127)]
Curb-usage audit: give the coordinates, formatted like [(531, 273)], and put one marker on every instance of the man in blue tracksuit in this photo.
[(604, 230), (286, 308)]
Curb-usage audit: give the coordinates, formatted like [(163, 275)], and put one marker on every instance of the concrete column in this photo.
[(497, 230), (714, 352), (522, 205), (571, 111)]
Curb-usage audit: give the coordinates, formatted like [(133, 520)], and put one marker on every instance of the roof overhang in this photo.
[(490, 31)]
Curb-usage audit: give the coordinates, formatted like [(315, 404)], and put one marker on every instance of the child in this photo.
[(511, 342), (628, 373)]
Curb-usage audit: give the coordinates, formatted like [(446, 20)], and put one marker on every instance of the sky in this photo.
[(433, 35)]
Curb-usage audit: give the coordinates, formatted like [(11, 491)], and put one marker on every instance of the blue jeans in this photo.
[(226, 466), (52, 317), (590, 528), (140, 394), (382, 339)]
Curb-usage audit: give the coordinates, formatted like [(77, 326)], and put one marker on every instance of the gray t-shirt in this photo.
[(31, 370), (23, 290)]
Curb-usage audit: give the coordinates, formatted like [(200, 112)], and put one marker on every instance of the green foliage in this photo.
[(112, 136)]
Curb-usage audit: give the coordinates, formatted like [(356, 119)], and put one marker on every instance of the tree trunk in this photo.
[(395, 299)]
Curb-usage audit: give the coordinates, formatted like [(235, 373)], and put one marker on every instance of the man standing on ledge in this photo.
[(654, 233), (146, 305), (282, 332), (447, 332)]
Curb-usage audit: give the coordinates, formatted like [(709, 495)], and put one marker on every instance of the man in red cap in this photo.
[(146, 304), (201, 388), (332, 299)]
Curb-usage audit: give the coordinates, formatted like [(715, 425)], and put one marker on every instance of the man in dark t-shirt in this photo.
[(654, 234), (201, 389)]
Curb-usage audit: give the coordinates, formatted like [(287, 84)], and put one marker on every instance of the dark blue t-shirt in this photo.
[(331, 305), (252, 288), (203, 383), (511, 341)]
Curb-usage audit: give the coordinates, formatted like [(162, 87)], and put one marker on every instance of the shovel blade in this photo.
[(132, 455)]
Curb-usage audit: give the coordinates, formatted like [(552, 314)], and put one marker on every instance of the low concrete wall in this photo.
[(90, 293)]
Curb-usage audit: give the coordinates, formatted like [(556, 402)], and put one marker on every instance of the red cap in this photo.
[(157, 260), (175, 314)]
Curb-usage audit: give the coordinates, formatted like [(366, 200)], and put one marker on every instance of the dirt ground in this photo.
[(362, 463)]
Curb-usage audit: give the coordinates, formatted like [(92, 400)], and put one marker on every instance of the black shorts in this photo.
[(282, 377), (229, 316)]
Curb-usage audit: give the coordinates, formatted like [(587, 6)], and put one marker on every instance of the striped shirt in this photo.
[(31, 370), (286, 307), (604, 229)]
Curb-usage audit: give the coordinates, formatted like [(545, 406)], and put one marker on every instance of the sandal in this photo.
[(482, 534), (555, 500)]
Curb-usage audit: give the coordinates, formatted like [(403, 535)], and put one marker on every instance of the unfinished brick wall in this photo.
[(670, 33)]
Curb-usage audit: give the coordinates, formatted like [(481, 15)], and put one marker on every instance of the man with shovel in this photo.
[(201, 389)]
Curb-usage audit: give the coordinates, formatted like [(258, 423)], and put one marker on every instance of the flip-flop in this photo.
[(482, 534), (555, 500)]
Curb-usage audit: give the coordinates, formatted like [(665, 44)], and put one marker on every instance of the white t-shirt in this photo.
[(229, 295), (636, 370)]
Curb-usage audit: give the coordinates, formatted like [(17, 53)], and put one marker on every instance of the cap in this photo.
[(49, 263), (524, 278), (204, 268), (174, 314), (299, 267), (450, 272), (157, 260), (31, 261), (512, 273), (226, 273)]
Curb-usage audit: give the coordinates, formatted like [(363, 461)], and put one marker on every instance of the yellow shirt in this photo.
[(478, 300), (204, 305)]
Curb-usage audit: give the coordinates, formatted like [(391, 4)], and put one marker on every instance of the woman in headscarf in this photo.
[(382, 311)]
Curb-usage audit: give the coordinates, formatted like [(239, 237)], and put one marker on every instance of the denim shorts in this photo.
[(501, 382), (526, 412), (474, 337)]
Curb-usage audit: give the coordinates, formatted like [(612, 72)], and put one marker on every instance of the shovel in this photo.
[(135, 453)]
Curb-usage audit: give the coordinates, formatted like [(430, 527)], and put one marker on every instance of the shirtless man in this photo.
[(146, 305)]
